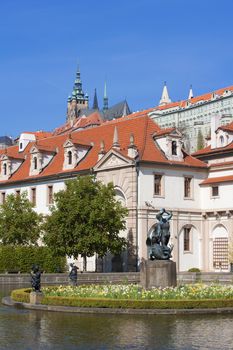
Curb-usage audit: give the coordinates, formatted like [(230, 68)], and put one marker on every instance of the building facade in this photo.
[(150, 170), (193, 116)]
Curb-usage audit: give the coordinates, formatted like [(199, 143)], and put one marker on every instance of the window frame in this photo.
[(212, 191), (161, 190), (190, 190), (33, 196), (3, 197), (187, 242), (50, 195)]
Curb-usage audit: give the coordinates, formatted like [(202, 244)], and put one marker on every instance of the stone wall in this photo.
[(62, 278)]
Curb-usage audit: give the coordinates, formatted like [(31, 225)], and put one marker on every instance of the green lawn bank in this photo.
[(195, 296)]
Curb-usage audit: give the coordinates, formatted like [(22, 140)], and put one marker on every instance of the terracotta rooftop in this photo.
[(214, 180), (205, 98), (208, 150), (142, 127)]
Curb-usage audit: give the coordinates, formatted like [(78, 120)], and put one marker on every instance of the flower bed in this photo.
[(133, 296)]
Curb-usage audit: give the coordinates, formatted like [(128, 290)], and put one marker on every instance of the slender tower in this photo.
[(105, 106), (95, 101), (165, 97), (190, 92)]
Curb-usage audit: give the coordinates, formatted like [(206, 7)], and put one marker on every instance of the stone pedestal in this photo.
[(158, 273), (36, 297)]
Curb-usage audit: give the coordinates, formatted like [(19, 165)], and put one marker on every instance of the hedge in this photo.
[(21, 259), (22, 295)]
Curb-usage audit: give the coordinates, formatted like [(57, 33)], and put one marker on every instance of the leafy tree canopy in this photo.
[(19, 223), (86, 219)]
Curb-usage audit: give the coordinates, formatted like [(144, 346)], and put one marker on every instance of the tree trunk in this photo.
[(84, 263)]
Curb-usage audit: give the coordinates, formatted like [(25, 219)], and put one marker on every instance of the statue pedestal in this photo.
[(158, 273), (36, 297)]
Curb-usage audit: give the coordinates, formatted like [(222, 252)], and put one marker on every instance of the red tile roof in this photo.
[(39, 134), (205, 97), (213, 180), (142, 127), (208, 150), (228, 127)]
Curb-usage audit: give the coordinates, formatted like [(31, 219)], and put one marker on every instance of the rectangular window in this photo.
[(187, 239), (215, 191), (33, 195), (157, 184), (50, 194), (3, 197), (187, 187)]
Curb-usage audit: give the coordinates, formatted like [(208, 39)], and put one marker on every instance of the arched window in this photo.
[(174, 148), (4, 169), (120, 196), (35, 163), (69, 155)]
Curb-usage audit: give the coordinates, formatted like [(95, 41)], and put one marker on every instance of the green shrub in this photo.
[(194, 269), (22, 295), (21, 259)]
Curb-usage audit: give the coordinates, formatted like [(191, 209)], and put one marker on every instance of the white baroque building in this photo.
[(193, 115), (150, 170)]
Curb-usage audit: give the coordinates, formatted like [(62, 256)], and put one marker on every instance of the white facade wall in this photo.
[(173, 187), (196, 116), (223, 201)]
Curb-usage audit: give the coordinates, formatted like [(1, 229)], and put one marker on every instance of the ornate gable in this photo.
[(111, 160)]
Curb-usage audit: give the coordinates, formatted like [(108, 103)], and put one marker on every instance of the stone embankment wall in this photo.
[(62, 278), (22, 279)]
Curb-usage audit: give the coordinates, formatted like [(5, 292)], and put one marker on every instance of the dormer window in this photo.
[(41, 156), (69, 156), (35, 163), (73, 153), (4, 169), (20, 146), (174, 148), (9, 165)]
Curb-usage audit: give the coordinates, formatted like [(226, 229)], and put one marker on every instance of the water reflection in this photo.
[(24, 329)]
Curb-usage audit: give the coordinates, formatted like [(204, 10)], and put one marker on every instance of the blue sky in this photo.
[(135, 45)]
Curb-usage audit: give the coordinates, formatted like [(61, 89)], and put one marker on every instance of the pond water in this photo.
[(26, 330)]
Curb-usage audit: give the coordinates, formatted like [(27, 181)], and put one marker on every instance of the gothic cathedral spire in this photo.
[(95, 101)]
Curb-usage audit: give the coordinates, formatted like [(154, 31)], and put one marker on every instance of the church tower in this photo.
[(77, 101)]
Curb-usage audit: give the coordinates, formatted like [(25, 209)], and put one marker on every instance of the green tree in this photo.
[(86, 219), (19, 223), (200, 140)]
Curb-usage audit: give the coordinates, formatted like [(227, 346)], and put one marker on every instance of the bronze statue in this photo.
[(73, 275), (35, 278), (159, 238)]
